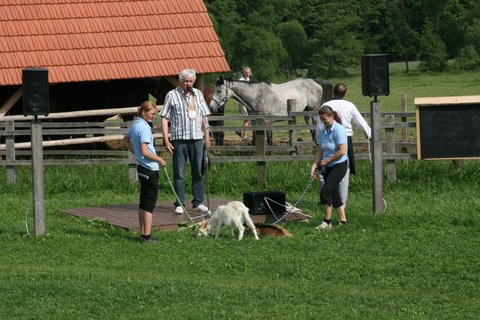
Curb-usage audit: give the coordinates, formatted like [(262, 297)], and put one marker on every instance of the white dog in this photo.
[(232, 215)]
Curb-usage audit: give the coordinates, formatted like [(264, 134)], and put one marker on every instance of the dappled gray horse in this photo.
[(271, 99)]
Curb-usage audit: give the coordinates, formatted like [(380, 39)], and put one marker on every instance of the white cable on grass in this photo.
[(369, 152), (203, 232), (26, 222), (288, 206), (26, 217)]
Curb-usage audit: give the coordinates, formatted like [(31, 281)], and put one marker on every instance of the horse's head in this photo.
[(220, 97)]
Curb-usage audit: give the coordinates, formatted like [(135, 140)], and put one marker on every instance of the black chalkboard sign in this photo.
[(448, 127)]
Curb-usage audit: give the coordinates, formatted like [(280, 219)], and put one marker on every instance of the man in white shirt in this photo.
[(347, 112)]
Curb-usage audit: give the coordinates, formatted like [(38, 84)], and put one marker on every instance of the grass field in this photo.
[(414, 84), (418, 260)]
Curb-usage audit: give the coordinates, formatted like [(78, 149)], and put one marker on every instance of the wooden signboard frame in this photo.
[(448, 128)]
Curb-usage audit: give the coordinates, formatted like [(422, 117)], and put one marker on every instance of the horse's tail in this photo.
[(327, 87)]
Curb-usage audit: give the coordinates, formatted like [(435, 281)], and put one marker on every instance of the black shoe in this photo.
[(147, 240)]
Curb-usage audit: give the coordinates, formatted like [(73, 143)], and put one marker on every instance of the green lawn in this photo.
[(418, 260), (414, 85)]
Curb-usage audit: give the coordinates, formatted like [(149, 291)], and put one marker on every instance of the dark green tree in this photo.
[(294, 41), (400, 40), (452, 29), (467, 59), (338, 44), (433, 53), (372, 30), (262, 50), (473, 34), (226, 22), (336, 33), (267, 13)]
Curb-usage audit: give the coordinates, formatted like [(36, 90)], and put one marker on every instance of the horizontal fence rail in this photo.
[(90, 143)]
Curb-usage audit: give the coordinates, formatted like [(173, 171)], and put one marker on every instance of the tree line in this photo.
[(326, 38)]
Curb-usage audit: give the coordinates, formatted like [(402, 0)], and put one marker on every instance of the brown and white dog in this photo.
[(232, 215)]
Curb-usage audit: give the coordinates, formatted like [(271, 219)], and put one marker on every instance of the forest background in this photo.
[(281, 39)]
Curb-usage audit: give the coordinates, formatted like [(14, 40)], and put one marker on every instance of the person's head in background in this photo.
[(246, 72), (340, 90)]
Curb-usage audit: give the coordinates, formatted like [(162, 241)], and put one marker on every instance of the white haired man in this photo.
[(187, 111)]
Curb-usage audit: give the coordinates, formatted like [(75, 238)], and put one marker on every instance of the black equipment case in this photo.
[(265, 202)]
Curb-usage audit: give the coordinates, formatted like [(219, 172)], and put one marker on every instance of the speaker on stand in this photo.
[(375, 82), (375, 75), (35, 91), (35, 102)]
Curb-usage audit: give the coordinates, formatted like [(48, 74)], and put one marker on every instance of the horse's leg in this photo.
[(269, 138), (219, 135), (218, 138), (269, 134), (254, 134), (313, 121)]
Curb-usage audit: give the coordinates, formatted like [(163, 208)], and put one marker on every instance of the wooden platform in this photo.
[(164, 218)]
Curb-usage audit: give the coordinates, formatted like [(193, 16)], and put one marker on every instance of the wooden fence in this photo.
[(90, 143)]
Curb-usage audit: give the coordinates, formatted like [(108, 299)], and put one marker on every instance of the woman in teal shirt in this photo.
[(332, 159), (139, 141)]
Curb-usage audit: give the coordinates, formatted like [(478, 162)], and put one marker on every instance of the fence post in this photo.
[(260, 151), (10, 152), (390, 140), (132, 165), (403, 108), (292, 134)]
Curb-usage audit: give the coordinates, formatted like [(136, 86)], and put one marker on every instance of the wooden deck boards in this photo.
[(164, 218)]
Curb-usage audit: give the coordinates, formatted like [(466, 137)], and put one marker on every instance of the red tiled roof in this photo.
[(84, 40)]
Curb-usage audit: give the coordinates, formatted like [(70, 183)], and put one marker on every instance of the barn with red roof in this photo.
[(104, 53)]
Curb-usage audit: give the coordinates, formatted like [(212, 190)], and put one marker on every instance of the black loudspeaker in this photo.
[(35, 91), (265, 202), (375, 76)]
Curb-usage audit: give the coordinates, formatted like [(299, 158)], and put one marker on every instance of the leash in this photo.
[(197, 228), (291, 207)]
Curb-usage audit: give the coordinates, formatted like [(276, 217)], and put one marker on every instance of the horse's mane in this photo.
[(221, 80), (326, 85)]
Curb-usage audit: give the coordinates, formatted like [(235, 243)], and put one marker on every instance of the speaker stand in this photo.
[(37, 177), (377, 173)]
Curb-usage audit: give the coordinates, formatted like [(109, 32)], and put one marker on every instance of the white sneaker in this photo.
[(178, 210), (324, 225), (201, 208)]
